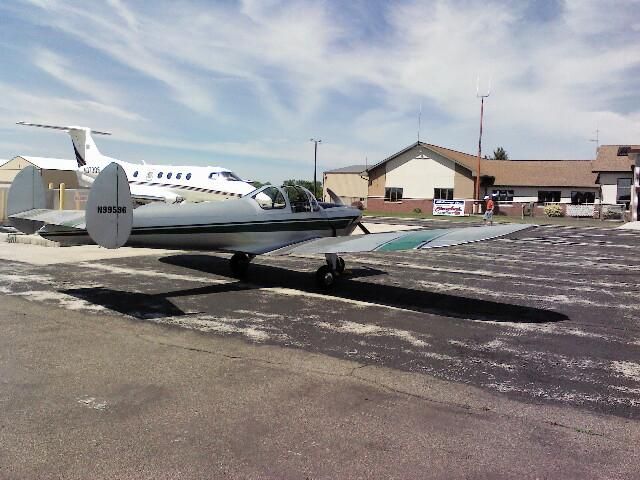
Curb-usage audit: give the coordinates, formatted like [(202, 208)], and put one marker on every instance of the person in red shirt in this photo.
[(488, 211)]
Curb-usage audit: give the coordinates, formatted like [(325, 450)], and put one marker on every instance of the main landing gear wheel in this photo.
[(239, 264), (325, 277), (340, 265)]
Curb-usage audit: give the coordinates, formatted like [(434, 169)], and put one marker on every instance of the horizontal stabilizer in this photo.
[(397, 241), (58, 127), (63, 218)]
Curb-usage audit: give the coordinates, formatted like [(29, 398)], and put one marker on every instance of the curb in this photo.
[(27, 239)]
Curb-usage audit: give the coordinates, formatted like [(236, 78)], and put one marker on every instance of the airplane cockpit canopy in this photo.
[(300, 199)]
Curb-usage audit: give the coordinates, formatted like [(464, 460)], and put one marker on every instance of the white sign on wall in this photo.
[(580, 210), (454, 208)]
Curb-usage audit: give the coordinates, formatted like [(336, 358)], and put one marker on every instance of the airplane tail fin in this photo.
[(26, 193), (109, 210), (84, 147)]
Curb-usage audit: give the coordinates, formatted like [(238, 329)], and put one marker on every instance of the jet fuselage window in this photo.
[(270, 198), (178, 176), (160, 175), (188, 177), (213, 176), (135, 174), (169, 175)]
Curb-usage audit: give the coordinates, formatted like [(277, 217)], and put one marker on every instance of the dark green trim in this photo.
[(410, 241)]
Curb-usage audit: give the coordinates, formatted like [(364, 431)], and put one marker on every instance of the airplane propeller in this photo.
[(338, 201)]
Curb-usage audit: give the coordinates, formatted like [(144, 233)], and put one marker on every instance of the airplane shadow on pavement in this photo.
[(158, 305)]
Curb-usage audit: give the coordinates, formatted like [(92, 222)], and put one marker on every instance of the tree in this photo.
[(308, 184), (500, 154), (258, 184)]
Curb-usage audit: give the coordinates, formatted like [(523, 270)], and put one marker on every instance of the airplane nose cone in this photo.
[(246, 188)]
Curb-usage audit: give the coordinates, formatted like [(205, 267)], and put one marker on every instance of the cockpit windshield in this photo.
[(230, 177)]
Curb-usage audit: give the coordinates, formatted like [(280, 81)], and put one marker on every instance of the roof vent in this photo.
[(623, 151)]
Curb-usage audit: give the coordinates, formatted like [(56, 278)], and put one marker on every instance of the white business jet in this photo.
[(166, 183)]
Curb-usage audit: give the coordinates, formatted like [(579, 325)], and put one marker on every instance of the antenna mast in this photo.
[(597, 140), (419, 121), (481, 97)]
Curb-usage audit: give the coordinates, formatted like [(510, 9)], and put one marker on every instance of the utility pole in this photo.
[(316, 141), (481, 97)]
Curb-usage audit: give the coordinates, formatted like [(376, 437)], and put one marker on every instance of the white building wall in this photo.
[(419, 176), (609, 182)]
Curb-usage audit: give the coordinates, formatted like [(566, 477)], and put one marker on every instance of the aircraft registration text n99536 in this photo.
[(111, 209)]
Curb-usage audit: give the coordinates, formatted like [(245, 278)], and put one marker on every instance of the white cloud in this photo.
[(554, 81)]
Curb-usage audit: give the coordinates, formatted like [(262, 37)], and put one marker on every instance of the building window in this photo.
[(503, 195), (392, 194), (548, 196), (443, 193), (624, 190), (578, 198)]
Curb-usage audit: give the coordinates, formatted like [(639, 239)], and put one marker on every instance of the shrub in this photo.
[(417, 210), (553, 210)]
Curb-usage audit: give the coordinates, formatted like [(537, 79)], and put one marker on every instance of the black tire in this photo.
[(239, 264), (340, 265), (325, 277)]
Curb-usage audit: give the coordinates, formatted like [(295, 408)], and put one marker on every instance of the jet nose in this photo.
[(246, 188)]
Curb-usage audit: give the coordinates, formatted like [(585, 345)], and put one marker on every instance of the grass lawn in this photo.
[(539, 220)]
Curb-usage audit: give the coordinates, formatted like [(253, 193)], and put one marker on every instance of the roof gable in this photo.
[(608, 159), (460, 158)]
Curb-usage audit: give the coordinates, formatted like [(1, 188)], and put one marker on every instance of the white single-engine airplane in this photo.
[(166, 183), (271, 220)]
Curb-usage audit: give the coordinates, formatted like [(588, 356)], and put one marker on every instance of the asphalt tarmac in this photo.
[(513, 357)]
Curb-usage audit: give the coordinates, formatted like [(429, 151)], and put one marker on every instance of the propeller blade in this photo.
[(334, 198), (363, 228)]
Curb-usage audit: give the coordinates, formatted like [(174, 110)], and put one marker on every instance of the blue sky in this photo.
[(245, 84)]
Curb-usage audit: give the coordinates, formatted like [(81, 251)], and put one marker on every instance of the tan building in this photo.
[(349, 183), (412, 178), (53, 170)]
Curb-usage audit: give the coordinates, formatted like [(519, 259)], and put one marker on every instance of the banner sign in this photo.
[(454, 208)]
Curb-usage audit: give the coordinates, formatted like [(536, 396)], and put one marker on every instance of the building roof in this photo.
[(549, 173), (540, 173), (613, 158), (349, 169), (51, 163), (461, 158)]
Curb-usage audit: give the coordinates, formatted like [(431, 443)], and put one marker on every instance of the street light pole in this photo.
[(316, 141)]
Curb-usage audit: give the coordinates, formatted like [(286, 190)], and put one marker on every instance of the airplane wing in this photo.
[(396, 241)]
